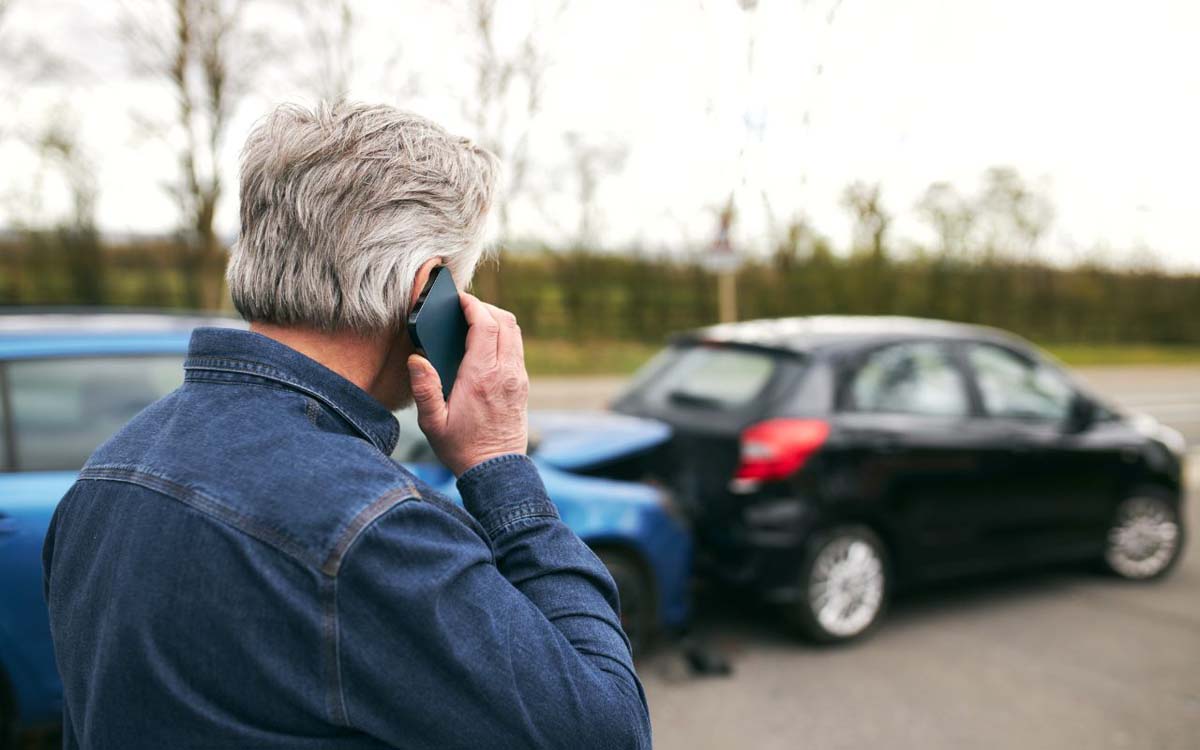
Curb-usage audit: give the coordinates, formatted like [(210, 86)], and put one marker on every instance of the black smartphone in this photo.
[(438, 328)]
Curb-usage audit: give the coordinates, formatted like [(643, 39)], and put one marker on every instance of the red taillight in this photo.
[(777, 448)]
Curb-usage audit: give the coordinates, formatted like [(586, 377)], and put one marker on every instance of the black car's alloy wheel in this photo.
[(1145, 538), (844, 583), (637, 603)]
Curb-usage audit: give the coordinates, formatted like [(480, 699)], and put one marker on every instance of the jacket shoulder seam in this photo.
[(363, 520), (328, 564), (202, 502)]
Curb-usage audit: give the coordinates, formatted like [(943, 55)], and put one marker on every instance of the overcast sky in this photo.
[(1097, 102)]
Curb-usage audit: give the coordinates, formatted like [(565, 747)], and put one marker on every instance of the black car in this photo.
[(825, 461)]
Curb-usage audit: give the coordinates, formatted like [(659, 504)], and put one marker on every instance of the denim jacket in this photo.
[(243, 566)]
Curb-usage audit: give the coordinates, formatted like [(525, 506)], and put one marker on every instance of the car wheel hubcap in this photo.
[(1142, 541), (846, 588)]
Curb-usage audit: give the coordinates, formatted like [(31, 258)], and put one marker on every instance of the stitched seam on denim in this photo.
[(362, 520), (337, 655), (505, 518), (247, 383), (520, 521), (217, 364), (472, 475), (337, 611), (199, 501), (335, 701)]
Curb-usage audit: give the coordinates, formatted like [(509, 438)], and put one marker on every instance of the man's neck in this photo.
[(359, 359)]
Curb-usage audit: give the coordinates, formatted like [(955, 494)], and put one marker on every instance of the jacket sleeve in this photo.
[(446, 642)]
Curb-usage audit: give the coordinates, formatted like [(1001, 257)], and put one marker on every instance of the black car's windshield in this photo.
[(705, 377)]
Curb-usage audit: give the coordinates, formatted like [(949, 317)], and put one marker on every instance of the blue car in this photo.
[(68, 381)]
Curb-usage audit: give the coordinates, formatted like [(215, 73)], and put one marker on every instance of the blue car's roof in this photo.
[(28, 335)]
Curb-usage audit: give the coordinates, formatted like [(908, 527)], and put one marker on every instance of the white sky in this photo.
[(1097, 101)]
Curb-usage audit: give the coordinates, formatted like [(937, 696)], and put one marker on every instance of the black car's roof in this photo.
[(807, 334)]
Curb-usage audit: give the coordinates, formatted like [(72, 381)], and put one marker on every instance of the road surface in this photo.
[(1058, 659)]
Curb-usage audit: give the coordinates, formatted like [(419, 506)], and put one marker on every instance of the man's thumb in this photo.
[(427, 392)]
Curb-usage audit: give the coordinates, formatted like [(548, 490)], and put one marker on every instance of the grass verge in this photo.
[(557, 357), (1083, 355)]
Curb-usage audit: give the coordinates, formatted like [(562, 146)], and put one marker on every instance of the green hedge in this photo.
[(581, 296)]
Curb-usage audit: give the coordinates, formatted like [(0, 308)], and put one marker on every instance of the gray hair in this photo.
[(340, 207)]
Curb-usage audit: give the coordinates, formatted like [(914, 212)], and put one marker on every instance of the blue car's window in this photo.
[(62, 409)]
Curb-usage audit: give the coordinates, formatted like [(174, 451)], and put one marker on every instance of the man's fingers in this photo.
[(509, 347), (483, 330), (427, 394)]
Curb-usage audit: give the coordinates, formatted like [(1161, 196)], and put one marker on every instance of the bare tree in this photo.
[(60, 149), (7, 60), (952, 216), (75, 238), (24, 60), (871, 221), (329, 27), (203, 51), (592, 162), (508, 92), (1017, 214)]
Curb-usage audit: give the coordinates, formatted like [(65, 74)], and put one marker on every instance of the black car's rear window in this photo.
[(703, 377)]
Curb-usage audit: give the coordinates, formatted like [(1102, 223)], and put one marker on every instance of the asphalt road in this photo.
[(1061, 658)]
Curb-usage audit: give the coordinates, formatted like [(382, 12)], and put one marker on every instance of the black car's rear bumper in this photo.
[(760, 542)]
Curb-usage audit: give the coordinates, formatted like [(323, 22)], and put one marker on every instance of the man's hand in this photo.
[(485, 416)]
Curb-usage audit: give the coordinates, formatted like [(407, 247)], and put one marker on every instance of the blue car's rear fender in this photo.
[(26, 653)]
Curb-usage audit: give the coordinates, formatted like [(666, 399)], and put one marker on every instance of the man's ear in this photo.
[(421, 279)]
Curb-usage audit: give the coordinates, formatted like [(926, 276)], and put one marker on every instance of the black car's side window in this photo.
[(1015, 388), (910, 378), (63, 409)]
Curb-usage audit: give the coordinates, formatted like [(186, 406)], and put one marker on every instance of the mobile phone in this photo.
[(438, 328)]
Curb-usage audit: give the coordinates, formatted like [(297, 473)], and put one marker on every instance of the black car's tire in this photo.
[(845, 581), (1145, 538), (636, 595)]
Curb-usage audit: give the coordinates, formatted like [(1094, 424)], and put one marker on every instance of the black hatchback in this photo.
[(826, 461)]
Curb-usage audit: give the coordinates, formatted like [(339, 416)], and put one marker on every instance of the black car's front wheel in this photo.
[(1145, 538), (844, 585)]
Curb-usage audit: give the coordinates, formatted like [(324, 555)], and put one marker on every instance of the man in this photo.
[(244, 566)]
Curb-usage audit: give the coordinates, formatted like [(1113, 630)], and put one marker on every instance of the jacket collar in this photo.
[(238, 351)]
